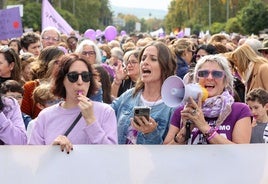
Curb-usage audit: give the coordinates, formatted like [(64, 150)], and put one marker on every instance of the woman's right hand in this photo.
[(64, 143), (120, 72)]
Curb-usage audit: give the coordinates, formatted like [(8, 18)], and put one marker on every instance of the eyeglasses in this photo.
[(215, 74), (132, 62), (73, 76), (51, 39), (89, 53)]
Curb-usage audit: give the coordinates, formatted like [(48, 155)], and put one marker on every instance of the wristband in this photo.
[(213, 135), (210, 133)]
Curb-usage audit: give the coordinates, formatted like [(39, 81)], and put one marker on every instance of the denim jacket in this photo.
[(123, 107)]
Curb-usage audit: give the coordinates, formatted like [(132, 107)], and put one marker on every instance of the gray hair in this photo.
[(50, 28), (223, 63), (254, 44), (116, 51), (79, 49)]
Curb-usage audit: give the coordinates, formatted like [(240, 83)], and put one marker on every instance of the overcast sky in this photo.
[(152, 4)]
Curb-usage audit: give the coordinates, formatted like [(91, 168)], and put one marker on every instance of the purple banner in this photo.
[(10, 23), (50, 17)]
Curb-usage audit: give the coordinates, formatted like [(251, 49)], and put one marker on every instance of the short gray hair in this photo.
[(223, 63)]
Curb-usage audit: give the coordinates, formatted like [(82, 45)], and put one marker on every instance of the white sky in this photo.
[(151, 4)]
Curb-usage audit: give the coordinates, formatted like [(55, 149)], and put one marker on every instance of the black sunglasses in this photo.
[(73, 76), (215, 74)]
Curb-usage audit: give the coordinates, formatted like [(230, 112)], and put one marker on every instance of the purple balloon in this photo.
[(123, 33), (110, 33), (98, 32), (91, 34)]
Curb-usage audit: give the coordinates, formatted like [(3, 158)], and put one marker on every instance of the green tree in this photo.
[(217, 27), (32, 16), (254, 17), (233, 26)]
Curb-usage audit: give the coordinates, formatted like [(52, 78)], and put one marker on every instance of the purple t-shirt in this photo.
[(239, 111)]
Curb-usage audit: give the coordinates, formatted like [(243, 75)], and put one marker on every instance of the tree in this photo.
[(32, 16), (254, 17), (217, 27), (233, 26)]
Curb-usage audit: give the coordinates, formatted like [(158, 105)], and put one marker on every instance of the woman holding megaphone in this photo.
[(136, 123), (216, 120)]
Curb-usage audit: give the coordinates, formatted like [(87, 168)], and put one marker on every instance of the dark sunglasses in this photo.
[(73, 76), (215, 74)]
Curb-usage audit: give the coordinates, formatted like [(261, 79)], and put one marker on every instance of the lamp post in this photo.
[(227, 10), (209, 13)]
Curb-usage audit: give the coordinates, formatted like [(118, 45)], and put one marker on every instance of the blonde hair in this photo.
[(242, 56), (42, 94), (182, 45)]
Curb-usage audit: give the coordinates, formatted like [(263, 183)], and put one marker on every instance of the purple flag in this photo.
[(180, 34), (10, 23), (50, 17)]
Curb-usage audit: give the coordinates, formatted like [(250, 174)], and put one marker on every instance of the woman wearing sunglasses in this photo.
[(218, 119), (74, 82)]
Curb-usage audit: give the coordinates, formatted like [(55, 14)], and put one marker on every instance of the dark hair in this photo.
[(258, 94), (29, 38), (11, 86), (105, 83), (16, 41), (58, 88), (166, 61), (210, 49), (11, 56)]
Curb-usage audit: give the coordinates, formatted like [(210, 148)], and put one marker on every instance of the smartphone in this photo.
[(142, 111)]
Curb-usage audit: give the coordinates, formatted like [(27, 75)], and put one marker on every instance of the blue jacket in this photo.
[(123, 107), (182, 67)]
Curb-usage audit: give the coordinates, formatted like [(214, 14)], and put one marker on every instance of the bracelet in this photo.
[(213, 135), (210, 133)]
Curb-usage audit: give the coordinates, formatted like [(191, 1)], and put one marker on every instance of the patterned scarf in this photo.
[(218, 106)]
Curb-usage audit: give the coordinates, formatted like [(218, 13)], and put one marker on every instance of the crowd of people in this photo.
[(63, 90)]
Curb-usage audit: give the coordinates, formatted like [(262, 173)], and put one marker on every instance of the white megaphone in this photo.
[(174, 92)]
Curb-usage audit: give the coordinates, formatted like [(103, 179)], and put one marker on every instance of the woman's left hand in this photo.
[(64, 143), (86, 106), (141, 124)]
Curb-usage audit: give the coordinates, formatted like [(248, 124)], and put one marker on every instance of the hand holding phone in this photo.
[(142, 111)]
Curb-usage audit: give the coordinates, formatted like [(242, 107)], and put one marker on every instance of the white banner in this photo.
[(135, 164)]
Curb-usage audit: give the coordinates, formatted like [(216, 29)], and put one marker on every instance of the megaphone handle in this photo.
[(188, 130)]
